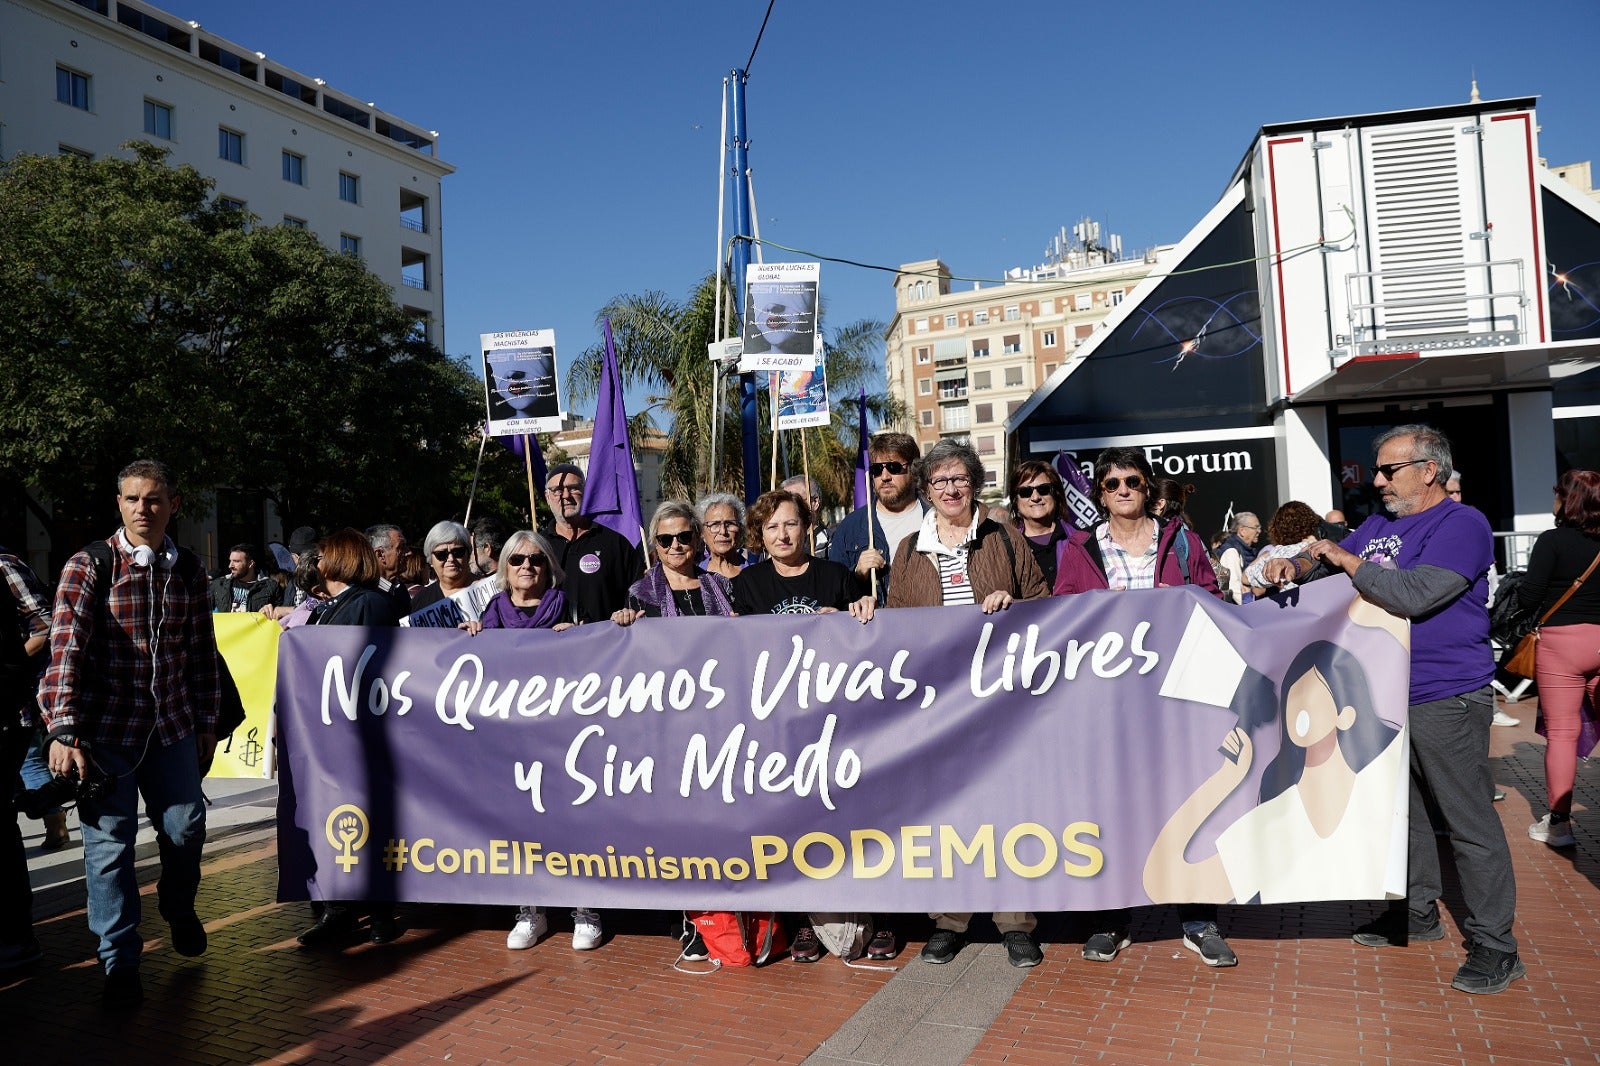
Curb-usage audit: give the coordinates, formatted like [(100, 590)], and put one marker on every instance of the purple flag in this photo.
[(1080, 494), (513, 444), (611, 491), (862, 481)]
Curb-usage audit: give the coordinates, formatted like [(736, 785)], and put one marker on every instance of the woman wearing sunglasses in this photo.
[(1039, 505), (1131, 549), (447, 548), (677, 586), (527, 577)]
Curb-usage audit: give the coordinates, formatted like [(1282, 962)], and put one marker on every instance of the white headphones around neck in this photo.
[(144, 555)]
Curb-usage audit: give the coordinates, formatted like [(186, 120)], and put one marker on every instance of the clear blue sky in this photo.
[(586, 134)]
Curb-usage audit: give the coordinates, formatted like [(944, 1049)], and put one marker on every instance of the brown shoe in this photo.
[(56, 834)]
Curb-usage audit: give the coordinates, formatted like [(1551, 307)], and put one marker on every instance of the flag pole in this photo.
[(805, 471), (527, 465), (472, 494)]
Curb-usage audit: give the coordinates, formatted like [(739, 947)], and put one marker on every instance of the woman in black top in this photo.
[(791, 580), (1569, 643), (349, 569), (1039, 504)]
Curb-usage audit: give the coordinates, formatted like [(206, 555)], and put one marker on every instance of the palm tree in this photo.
[(661, 345)]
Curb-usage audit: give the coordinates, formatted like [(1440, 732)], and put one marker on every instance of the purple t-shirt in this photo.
[(1450, 652)]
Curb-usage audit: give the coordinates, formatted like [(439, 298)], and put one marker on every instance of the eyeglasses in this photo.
[(895, 468), (565, 490), (958, 481), (729, 524), (1135, 482), (685, 538), (517, 560), (1028, 492), (458, 554), (1388, 469)]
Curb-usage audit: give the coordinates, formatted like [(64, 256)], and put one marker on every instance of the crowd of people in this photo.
[(120, 695)]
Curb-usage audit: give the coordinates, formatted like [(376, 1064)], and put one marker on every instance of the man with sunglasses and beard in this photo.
[(865, 541), (600, 563)]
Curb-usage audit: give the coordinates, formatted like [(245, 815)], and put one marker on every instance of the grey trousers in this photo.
[(1449, 759)]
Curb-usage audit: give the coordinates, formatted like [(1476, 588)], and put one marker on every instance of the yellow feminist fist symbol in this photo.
[(347, 830)]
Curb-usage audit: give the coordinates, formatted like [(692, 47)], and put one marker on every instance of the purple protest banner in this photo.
[(1101, 750)]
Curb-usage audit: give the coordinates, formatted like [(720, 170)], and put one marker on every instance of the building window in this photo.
[(949, 321), (294, 168), (1049, 338), (924, 354), (76, 153), (349, 245), (349, 188), (1116, 297), (1049, 368), (295, 223), (991, 478), (230, 145), (980, 318), (158, 120), (230, 203), (980, 379), (980, 349), (919, 326), (1012, 406), (985, 445), (1013, 376), (1081, 302), (1013, 314), (72, 88), (983, 412), (925, 387), (927, 418), (1013, 344)]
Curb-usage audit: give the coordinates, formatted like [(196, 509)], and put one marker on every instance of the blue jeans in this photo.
[(35, 764), (169, 781)]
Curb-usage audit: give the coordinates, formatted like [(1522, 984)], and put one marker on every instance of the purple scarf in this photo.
[(653, 589), (501, 613)]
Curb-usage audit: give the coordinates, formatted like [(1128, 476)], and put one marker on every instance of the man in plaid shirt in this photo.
[(131, 694)]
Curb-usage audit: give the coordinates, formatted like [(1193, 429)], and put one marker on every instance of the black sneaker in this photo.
[(1487, 970), (123, 990), (1103, 947), (806, 946), (694, 946), (942, 946), (188, 933), (1207, 942), (1387, 931), (20, 954), (882, 945), (1021, 950)]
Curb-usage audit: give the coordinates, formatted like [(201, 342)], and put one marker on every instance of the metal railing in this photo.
[(414, 224), (1479, 312)]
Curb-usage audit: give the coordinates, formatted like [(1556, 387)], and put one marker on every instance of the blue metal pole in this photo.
[(749, 416)]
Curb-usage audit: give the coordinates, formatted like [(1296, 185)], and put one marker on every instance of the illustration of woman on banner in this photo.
[(1340, 771)]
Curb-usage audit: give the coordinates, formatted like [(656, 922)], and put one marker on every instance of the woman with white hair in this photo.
[(447, 548), (722, 527), (677, 585)]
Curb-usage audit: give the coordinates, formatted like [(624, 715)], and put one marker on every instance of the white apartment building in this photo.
[(964, 360), (84, 76)]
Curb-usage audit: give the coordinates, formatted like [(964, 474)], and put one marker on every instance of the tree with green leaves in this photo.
[(146, 318), (661, 346)]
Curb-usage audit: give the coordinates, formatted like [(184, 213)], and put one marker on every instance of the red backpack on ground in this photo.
[(735, 938)]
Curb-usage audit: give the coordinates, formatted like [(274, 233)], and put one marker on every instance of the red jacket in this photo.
[(1078, 567)]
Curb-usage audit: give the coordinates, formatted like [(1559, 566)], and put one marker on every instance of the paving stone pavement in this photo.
[(449, 991)]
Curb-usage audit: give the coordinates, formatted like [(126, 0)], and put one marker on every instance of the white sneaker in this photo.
[(1502, 718), (531, 926), (1558, 835), (585, 930)]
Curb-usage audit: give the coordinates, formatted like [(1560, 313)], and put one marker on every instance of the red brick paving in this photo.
[(1303, 993), (449, 991)]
